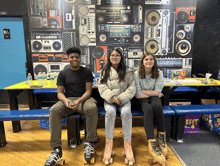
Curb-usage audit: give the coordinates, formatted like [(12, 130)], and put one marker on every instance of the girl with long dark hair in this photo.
[(117, 88)]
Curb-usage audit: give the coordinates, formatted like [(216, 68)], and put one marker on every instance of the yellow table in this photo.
[(170, 86)]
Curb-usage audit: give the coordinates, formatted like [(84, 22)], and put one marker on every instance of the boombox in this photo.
[(157, 2), (46, 46), (87, 32), (42, 57), (156, 31), (42, 35), (81, 2), (113, 34), (69, 40), (170, 62), (69, 16), (39, 67), (113, 14), (44, 22), (135, 52), (185, 15), (134, 63), (184, 40), (38, 7), (99, 54)]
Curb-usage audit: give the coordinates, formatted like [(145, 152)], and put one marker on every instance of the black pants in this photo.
[(153, 114)]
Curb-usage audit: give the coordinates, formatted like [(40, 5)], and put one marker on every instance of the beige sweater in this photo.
[(124, 90)]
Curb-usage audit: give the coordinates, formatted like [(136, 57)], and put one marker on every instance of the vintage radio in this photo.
[(170, 62), (157, 2), (38, 7), (54, 18), (87, 32), (69, 16), (38, 22), (69, 40), (39, 67), (135, 52), (184, 40), (99, 53), (113, 34), (85, 55), (54, 67), (46, 46), (42, 35), (185, 15), (134, 63), (113, 14), (156, 31)]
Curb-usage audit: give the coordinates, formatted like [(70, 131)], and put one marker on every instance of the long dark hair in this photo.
[(121, 70), (154, 72)]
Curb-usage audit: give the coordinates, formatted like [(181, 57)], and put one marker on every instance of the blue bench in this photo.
[(37, 114), (168, 113), (182, 110)]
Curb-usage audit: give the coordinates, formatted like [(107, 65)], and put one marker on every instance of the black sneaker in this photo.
[(55, 157), (88, 150)]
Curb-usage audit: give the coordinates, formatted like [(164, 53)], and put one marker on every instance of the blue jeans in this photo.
[(126, 118)]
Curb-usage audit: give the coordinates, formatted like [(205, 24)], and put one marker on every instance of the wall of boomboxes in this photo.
[(162, 27)]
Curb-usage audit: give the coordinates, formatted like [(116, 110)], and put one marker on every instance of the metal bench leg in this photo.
[(73, 133), (180, 128), (167, 127), (2, 135)]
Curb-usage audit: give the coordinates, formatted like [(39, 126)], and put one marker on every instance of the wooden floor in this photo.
[(30, 147)]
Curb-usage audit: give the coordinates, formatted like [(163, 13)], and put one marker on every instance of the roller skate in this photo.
[(55, 158), (89, 153), (157, 157), (108, 152), (162, 143), (128, 152)]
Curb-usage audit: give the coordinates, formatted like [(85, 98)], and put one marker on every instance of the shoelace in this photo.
[(54, 157), (156, 148), (88, 149)]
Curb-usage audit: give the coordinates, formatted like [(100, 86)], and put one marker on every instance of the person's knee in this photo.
[(92, 109), (126, 112), (110, 112)]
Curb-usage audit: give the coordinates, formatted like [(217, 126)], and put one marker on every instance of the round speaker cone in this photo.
[(151, 46), (180, 34), (56, 45), (84, 40), (37, 45), (40, 68), (83, 10), (102, 37), (98, 52), (183, 47), (153, 17), (182, 16), (136, 38)]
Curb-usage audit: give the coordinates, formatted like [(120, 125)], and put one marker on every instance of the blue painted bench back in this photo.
[(196, 109)]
